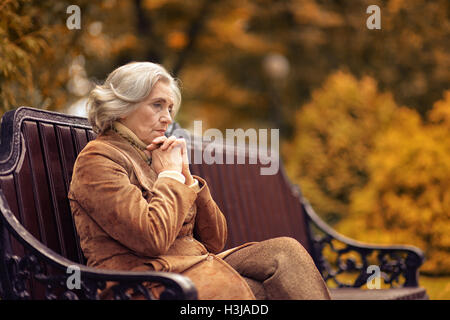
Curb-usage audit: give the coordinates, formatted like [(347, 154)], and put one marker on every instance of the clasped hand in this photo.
[(170, 154)]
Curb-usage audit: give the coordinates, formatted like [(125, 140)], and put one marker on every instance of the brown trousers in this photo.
[(279, 269)]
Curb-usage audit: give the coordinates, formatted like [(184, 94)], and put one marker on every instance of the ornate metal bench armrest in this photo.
[(396, 263), (16, 271)]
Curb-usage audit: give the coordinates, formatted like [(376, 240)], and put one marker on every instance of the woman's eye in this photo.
[(157, 105)]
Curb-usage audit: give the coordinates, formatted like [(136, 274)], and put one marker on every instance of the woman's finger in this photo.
[(168, 142), (185, 157), (181, 143), (156, 143), (153, 146), (159, 140)]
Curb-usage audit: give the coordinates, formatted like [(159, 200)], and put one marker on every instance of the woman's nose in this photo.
[(166, 118)]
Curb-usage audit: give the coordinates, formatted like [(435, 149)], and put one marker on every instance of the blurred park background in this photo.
[(364, 115)]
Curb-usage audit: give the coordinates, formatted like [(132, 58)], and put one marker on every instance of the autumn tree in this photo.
[(408, 57), (407, 196), (36, 50), (219, 50), (335, 133)]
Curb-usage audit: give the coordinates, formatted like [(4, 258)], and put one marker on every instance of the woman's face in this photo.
[(153, 115)]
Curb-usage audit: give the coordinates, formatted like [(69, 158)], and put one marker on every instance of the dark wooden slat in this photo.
[(220, 198), (27, 210), (39, 181), (27, 197), (214, 181), (263, 200), (277, 215), (250, 197), (234, 210), (218, 190), (297, 217), (67, 155), (9, 190), (91, 135), (228, 208), (290, 228), (61, 212), (299, 220), (246, 215), (217, 175), (80, 139)]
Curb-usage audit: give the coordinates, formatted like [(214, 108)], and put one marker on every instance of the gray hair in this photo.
[(123, 89)]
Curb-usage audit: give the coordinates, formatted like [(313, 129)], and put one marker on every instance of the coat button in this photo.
[(209, 258), (190, 239)]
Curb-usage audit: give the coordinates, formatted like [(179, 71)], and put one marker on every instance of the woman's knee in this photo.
[(286, 244), (287, 250)]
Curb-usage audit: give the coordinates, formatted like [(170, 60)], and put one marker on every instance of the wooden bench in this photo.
[(39, 247)]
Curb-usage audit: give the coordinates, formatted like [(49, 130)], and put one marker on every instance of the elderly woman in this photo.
[(136, 205)]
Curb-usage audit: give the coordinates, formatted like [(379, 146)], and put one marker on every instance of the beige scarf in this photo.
[(133, 139)]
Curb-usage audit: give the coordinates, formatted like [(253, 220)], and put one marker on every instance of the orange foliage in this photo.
[(377, 168), (335, 132)]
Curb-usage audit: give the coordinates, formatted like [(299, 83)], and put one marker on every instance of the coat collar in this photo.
[(144, 172), (129, 135), (132, 139)]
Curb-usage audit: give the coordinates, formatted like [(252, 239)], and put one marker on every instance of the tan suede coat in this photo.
[(127, 219)]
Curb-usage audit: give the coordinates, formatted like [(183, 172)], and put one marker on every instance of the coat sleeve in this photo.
[(210, 224), (103, 189)]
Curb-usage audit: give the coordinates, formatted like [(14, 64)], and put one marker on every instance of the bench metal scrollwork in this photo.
[(344, 262)]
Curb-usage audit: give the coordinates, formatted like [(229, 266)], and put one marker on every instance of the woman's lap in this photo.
[(279, 268)]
